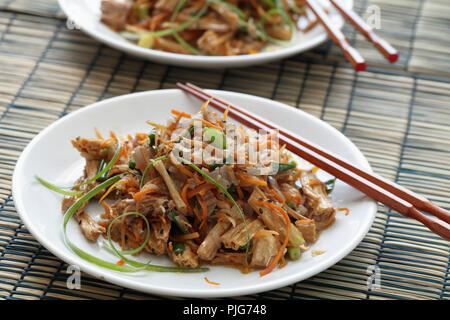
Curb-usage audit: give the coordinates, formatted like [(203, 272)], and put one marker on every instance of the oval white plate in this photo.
[(51, 156), (85, 14)]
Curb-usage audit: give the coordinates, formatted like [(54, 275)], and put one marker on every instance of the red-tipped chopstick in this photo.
[(380, 189), (384, 47), (337, 36)]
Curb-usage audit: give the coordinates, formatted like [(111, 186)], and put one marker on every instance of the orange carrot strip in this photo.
[(185, 198), (347, 210), (180, 113), (204, 208), (140, 194), (210, 282), (209, 124), (201, 189), (286, 238), (107, 208), (107, 142), (110, 189), (121, 262), (159, 126), (276, 195), (189, 236), (205, 105), (98, 134)]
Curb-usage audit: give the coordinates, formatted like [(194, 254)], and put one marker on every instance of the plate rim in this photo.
[(205, 61), (96, 271)]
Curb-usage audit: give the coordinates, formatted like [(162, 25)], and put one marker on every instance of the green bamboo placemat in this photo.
[(398, 115)]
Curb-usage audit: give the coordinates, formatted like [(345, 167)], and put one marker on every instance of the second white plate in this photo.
[(85, 14)]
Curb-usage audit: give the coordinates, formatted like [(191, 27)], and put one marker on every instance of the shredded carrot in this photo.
[(121, 262), (248, 180), (210, 282), (180, 113), (111, 188), (276, 195), (113, 134), (185, 199), (159, 126), (205, 105), (315, 169), (225, 114), (189, 236), (140, 194), (347, 210), (286, 238), (201, 189), (204, 208), (107, 143), (107, 208), (209, 124), (98, 134)]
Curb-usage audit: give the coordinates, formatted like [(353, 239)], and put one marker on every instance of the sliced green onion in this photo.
[(233, 8), (227, 194), (52, 187), (135, 266), (285, 166), (215, 137), (151, 137), (77, 193), (173, 217), (329, 185), (83, 254), (294, 253), (178, 247), (148, 167), (286, 19)]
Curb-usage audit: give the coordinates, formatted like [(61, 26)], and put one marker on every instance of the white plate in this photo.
[(51, 156), (85, 14)]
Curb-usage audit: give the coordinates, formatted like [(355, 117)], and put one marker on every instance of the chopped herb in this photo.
[(285, 166), (151, 137), (178, 247), (215, 165), (132, 165), (291, 205), (329, 185), (231, 189), (105, 175), (173, 217)]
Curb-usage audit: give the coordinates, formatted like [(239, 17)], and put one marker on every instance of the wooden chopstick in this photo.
[(337, 36), (383, 46), (345, 174)]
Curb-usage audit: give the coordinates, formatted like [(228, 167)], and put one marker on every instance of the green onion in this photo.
[(173, 216), (291, 205), (329, 185), (132, 165), (285, 166), (101, 166), (177, 36), (77, 193), (294, 253), (83, 254), (279, 10), (227, 194), (216, 137), (136, 266), (148, 167), (232, 189), (151, 137), (215, 165), (52, 187), (178, 247), (233, 8)]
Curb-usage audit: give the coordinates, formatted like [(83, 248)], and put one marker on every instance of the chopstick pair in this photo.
[(387, 192), (352, 55)]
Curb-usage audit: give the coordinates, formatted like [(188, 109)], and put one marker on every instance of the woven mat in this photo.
[(398, 115)]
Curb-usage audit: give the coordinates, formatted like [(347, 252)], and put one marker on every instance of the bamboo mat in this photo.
[(398, 115)]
